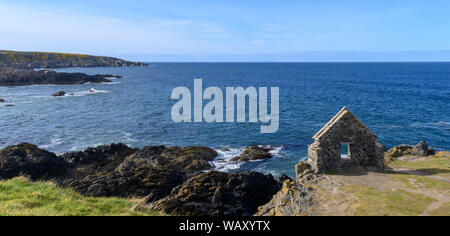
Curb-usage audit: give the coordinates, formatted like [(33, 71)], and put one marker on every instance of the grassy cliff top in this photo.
[(32, 60), (21, 197)]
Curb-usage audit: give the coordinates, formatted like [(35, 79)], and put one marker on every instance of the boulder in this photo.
[(291, 200), (59, 94), (254, 153), (421, 149), (28, 160), (219, 194)]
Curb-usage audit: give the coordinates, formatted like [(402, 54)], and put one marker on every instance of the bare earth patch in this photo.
[(408, 186)]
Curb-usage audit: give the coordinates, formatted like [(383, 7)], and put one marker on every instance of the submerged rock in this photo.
[(219, 194), (59, 94), (28, 160), (254, 153)]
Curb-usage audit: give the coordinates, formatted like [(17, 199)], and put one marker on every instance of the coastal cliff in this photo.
[(33, 60)]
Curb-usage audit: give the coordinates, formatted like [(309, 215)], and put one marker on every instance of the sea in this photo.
[(402, 103)]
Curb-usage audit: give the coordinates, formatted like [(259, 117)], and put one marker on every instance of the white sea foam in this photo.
[(54, 142), (111, 83), (432, 125), (129, 137), (223, 162)]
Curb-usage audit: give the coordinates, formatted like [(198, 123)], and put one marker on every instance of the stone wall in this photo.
[(364, 150)]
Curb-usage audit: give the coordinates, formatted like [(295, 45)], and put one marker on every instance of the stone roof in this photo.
[(342, 113)]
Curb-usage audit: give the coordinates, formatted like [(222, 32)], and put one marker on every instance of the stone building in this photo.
[(345, 142)]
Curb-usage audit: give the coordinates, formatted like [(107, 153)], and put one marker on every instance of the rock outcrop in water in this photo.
[(33, 60), (21, 77), (59, 94), (253, 153)]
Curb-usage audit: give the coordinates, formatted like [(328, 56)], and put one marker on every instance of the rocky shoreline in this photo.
[(18, 68), (175, 180), (172, 180), (22, 77)]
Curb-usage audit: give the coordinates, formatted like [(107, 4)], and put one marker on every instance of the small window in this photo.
[(345, 151)]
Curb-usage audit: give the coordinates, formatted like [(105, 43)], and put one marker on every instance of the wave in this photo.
[(111, 83), (128, 137), (223, 162), (432, 125), (54, 142)]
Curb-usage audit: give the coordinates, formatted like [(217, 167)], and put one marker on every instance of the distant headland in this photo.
[(18, 68), (50, 60)]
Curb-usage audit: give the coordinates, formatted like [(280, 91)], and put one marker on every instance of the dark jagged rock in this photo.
[(219, 194), (190, 160), (100, 156), (59, 94), (116, 170), (33, 60), (421, 149), (21, 77), (135, 182), (283, 178), (2, 100), (291, 200), (28, 160), (254, 153)]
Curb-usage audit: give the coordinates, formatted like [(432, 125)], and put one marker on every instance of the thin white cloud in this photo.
[(64, 30)]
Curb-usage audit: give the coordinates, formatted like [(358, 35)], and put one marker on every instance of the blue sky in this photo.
[(228, 30)]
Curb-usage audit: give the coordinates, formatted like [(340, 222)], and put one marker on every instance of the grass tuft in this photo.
[(21, 197)]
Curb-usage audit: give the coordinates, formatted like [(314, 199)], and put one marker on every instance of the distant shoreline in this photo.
[(18, 68)]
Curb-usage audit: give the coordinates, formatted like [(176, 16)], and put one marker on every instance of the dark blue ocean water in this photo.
[(402, 103)]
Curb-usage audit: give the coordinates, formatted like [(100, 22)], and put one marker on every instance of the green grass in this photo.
[(21, 197), (430, 165), (416, 182), (444, 210), (371, 202)]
